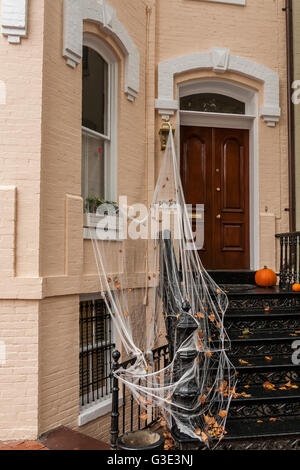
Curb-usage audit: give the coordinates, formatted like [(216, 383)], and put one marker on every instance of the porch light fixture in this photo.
[(164, 134)]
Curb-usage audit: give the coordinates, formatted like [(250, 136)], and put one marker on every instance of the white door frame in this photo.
[(231, 121)]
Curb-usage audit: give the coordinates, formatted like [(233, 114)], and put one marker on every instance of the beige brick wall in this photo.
[(19, 374), (58, 363), (67, 261)]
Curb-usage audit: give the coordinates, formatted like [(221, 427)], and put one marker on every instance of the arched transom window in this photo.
[(212, 103)]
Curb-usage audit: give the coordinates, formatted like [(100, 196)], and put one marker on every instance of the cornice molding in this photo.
[(75, 12), (220, 61), (14, 20)]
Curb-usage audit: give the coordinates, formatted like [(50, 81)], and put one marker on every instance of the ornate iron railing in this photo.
[(127, 415), (289, 259)]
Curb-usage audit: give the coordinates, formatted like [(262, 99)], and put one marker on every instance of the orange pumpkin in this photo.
[(296, 287), (266, 278)]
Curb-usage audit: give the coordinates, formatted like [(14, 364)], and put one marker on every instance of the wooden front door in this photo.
[(215, 172)]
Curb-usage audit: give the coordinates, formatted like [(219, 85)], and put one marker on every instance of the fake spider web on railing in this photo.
[(162, 290)]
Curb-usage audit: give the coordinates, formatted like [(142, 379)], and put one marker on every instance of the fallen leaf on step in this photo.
[(269, 358), (245, 363), (273, 420), (290, 385), (269, 386), (259, 421)]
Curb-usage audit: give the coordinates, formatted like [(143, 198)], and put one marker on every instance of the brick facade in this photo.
[(47, 264)]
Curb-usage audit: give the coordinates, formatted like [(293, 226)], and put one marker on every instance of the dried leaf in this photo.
[(269, 358), (223, 414), (203, 399), (144, 417), (242, 362), (247, 332), (200, 315), (269, 386)]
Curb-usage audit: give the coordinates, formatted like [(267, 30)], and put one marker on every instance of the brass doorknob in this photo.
[(219, 216), (219, 190)]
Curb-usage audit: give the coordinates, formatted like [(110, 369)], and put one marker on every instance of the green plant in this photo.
[(93, 203)]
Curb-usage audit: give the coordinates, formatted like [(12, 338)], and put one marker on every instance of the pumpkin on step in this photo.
[(266, 278), (296, 287)]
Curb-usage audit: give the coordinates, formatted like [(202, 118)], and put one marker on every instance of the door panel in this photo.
[(215, 172), (196, 171)]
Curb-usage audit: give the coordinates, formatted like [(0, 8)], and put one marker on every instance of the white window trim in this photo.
[(100, 407), (230, 2), (111, 159), (96, 410)]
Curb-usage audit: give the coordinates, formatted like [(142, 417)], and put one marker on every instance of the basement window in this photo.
[(96, 348)]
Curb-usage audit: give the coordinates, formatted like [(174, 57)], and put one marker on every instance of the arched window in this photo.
[(212, 103), (99, 172)]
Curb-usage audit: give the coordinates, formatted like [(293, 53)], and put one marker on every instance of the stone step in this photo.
[(264, 315), (259, 394), (254, 364), (238, 337), (249, 428)]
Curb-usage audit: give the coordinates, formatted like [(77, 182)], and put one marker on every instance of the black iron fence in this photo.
[(127, 415), (289, 259)]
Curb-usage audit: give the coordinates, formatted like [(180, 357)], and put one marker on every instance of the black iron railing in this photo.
[(289, 259), (127, 415), (96, 348)]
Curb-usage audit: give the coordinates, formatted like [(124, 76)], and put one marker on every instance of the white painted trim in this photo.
[(14, 20), (229, 121), (237, 121), (220, 60), (96, 410), (230, 2), (106, 18)]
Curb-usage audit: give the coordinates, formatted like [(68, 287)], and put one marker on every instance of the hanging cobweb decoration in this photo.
[(155, 287)]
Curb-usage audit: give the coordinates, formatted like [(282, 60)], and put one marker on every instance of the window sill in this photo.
[(91, 230), (96, 410)]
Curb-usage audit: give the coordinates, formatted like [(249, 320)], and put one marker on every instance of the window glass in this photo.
[(212, 103), (93, 170), (95, 91), (95, 132)]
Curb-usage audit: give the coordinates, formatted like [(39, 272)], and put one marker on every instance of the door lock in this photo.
[(218, 216)]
